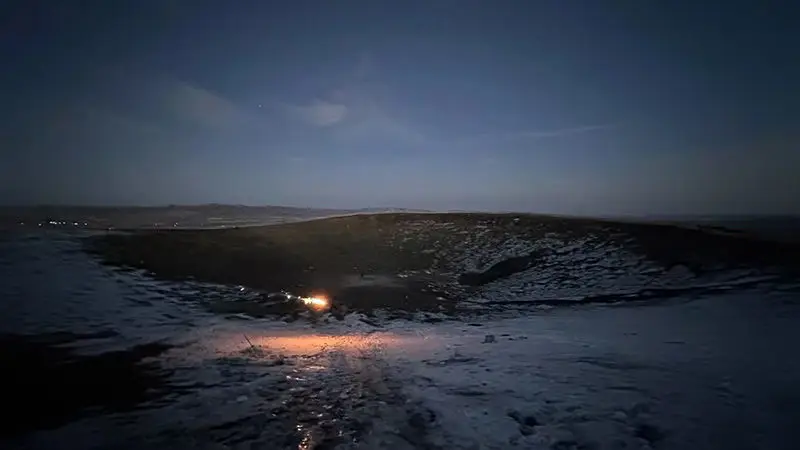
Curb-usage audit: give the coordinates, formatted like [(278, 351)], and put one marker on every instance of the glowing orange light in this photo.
[(316, 302)]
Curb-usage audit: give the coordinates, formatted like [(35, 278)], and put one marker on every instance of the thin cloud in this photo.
[(355, 113), (562, 132), (376, 125), (203, 107), (173, 103), (526, 135), (319, 113), (160, 98)]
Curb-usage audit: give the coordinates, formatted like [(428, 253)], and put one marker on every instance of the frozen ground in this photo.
[(697, 372), (714, 373), (717, 372)]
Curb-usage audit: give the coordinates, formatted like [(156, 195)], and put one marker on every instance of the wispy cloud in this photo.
[(530, 135), (377, 125), (174, 104), (356, 112), (202, 107), (152, 113), (319, 113), (561, 132)]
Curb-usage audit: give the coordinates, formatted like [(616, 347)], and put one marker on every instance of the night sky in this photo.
[(577, 107)]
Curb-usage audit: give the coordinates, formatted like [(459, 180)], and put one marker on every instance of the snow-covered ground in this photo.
[(695, 372), (717, 372)]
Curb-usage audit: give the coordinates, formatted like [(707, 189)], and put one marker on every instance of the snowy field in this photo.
[(705, 370), (717, 372)]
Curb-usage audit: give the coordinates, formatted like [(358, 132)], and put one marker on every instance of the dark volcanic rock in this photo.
[(502, 269)]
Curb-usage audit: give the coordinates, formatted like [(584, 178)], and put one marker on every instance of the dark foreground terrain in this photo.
[(449, 262)]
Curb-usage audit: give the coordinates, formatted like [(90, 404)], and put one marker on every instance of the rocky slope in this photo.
[(448, 262)]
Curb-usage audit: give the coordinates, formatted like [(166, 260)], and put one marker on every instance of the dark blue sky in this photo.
[(580, 107)]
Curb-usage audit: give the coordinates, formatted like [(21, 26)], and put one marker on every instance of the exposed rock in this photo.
[(502, 269)]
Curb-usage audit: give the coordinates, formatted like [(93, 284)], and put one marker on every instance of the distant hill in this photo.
[(171, 216)]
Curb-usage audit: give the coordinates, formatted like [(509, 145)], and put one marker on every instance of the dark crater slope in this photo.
[(436, 262)]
